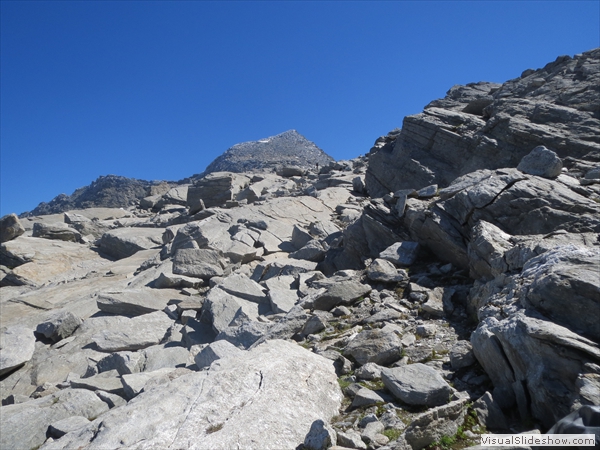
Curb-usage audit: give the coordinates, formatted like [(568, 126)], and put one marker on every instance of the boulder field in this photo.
[(442, 286)]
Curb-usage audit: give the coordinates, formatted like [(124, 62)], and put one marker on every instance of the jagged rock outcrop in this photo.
[(109, 191), (492, 126), (286, 150)]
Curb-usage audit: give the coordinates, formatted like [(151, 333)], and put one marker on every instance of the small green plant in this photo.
[(344, 383), (392, 434)]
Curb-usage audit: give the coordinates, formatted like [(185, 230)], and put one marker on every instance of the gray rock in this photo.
[(17, 344), (197, 333), (61, 427), (432, 425), (489, 413), (340, 311), (582, 421), (59, 326), (300, 237), (401, 253), (384, 271), (222, 309), (109, 381), (461, 355), (112, 400), (243, 287), (518, 203), (351, 439), (169, 280), (132, 334), (541, 162), (339, 292), (132, 302), (435, 301), (378, 346), (58, 231), (123, 242), (565, 287), (366, 397), (123, 362), (198, 263), (216, 350), (214, 190), (25, 425), (428, 191), (10, 228), (317, 323), (312, 251), (282, 383), (486, 250), (548, 356), (371, 434), (282, 297), (165, 356), (290, 171), (417, 384), (320, 436), (369, 371), (358, 185), (245, 335), (135, 383)]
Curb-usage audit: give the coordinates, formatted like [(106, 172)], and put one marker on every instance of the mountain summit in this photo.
[(283, 150)]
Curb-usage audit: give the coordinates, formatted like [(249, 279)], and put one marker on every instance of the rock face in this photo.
[(283, 151), (227, 312), (219, 408), (491, 126)]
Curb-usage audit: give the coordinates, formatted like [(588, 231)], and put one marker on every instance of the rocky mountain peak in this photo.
[(287, 149)]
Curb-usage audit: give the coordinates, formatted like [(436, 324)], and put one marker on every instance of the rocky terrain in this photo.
[(110, 191), (445, 285)]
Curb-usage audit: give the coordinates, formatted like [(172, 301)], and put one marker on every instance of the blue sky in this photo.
[(157, 90)]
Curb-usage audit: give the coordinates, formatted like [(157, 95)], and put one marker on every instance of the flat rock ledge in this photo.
[(265, 398)]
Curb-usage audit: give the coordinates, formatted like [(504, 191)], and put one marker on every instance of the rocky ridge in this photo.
[(324, 310)]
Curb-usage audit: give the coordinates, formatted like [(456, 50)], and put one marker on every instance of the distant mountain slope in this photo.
[(286, 149), (110, 191)]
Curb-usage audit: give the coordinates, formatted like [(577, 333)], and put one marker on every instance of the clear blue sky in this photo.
[(157, 90)]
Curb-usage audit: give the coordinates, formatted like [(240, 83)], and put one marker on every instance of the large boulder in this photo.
[(132, 302), (380, 346), (123, 242), (10, 227), (58, 231), (541, 162), (17, 344), (198, 263), (417, 384), (268, 397), (339, 291), (214, 190), (123, 333)]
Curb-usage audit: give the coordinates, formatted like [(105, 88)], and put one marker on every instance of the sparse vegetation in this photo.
[(392, 434)]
